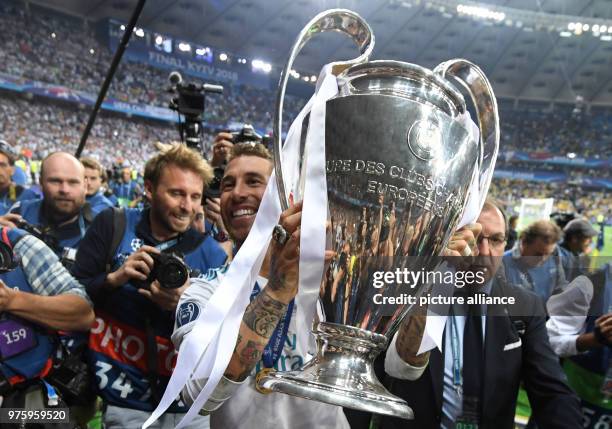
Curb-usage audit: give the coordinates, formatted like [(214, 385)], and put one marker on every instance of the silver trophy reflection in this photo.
[(399, 165)]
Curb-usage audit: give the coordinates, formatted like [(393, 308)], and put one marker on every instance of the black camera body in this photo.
[(44, 236), (169, 270), (190, 102), (214, 187), (8, 261), (246, 135)]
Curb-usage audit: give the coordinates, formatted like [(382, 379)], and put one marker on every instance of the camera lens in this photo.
[(173, 275)]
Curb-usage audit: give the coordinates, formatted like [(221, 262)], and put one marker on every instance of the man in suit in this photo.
[(458, 387)]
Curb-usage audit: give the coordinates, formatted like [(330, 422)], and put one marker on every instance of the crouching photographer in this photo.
[(38, 297), (135, 265)]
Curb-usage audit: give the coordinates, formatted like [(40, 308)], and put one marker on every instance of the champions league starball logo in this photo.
[(136, 244), (188, 312), (424, 137)]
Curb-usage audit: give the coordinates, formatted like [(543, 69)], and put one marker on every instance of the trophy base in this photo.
[(341, 373)]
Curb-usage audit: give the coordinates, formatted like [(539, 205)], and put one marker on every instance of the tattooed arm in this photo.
[(265, 311), (259, 322)]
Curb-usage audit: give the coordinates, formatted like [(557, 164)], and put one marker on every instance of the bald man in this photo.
[(60, 219), (62, 215)]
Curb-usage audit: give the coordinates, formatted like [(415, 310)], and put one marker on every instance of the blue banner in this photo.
[(549, 158), (545, 176), (593, 182), (59, 92), (144, 50), (534, 176)]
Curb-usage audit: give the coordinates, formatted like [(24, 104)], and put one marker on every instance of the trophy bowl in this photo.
[(400, 161)]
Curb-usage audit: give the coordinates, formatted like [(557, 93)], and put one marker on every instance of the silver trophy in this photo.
[(399, 164)]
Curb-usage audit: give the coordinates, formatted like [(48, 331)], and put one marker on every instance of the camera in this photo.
[(42, 235), (169, 270), (214, 187), (8, 262), (190, 102), (246, 135)]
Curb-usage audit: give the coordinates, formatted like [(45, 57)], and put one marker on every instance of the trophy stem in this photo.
[(341, 373)]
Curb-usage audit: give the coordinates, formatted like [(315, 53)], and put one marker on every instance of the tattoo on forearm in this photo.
[(263, 313), (277, 279), (250, 354)]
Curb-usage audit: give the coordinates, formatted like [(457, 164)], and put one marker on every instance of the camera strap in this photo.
[(152, 369), (119, 224), (167, 244), (5, 238)]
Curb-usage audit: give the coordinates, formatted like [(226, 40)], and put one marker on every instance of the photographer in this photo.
[(61, 218), (94, 178), (37, 297), (124, 261), (126, 189), (235, 403), (222, 147), (10, 192)]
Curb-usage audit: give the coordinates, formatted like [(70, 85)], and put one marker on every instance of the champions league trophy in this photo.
[(400, 163)]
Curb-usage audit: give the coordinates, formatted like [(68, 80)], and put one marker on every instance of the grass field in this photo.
[(607, 249)]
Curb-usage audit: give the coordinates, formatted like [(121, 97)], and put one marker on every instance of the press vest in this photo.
[(128, 325), (13, 194), (98, 202), (34, 345), (586, 371), (125, 192), (544, 280)]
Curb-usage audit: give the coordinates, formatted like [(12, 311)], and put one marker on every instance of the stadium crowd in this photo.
[(77, 60), (587, 135), (41, 128)]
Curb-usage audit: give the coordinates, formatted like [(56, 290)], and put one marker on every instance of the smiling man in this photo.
[(268, 332), (130, 348)]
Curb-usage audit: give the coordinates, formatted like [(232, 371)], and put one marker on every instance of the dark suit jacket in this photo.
[(534, 363)]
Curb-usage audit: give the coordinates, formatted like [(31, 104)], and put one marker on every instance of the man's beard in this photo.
[(60, 214), (165, 222)]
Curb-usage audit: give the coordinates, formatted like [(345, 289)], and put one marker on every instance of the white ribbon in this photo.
[(314, 211), (207, 350), (479, 180)]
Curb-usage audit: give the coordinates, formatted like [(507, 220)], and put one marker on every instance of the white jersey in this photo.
[(247, 408)]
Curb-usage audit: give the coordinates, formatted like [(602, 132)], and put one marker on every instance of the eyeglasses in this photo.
[(497, 240)]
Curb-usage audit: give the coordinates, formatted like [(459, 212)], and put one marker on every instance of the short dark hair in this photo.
[(250, 149), (7, 150), (543, 229), (92, 164)]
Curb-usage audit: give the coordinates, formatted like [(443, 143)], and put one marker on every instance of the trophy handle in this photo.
[(477, 85), (340, 20)]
